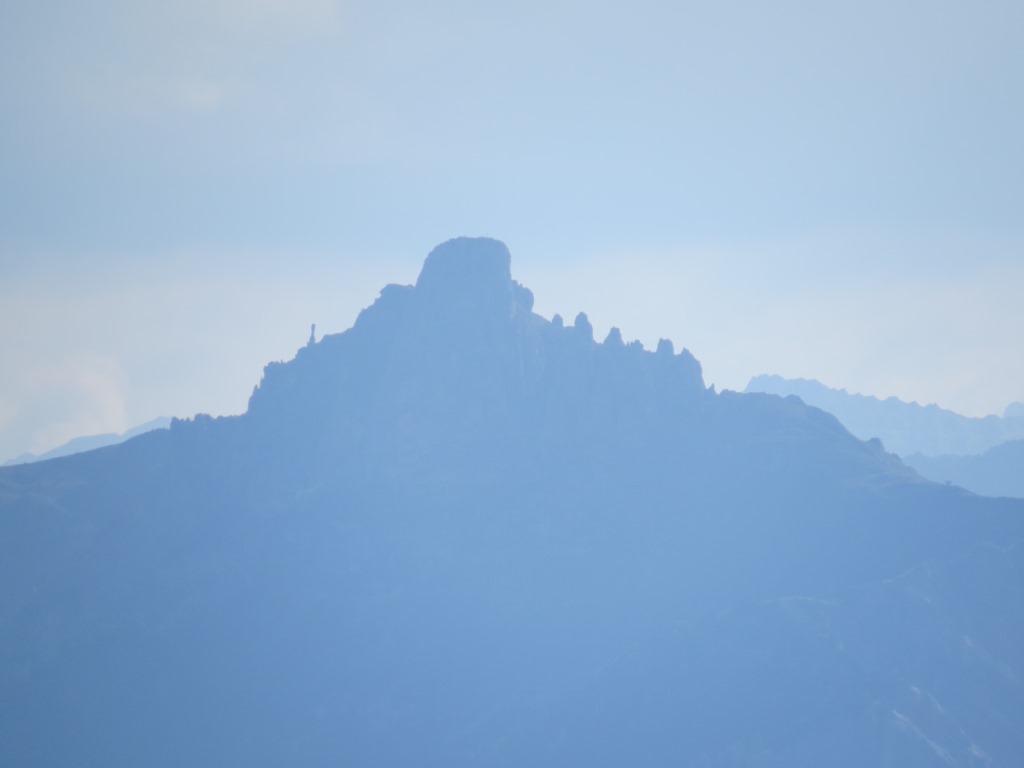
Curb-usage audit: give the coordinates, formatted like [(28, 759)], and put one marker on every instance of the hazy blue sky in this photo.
[(831, 190)]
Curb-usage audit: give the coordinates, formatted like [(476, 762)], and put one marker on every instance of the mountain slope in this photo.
[(998, 471), (904, 428), (460, 534), (90, 442)]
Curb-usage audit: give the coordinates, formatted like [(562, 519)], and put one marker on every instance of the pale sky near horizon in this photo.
[(824, 190)]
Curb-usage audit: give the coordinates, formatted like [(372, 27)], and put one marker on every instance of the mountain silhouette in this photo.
[(90, 442), (998, 471), (461, 534), (904, 428)]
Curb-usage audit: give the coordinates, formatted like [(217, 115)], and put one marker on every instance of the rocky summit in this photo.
[(462, 534)]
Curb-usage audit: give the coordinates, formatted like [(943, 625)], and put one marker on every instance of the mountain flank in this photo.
[(90, 442), (904, 428), (982, 455), (998, 471), (461, 534)]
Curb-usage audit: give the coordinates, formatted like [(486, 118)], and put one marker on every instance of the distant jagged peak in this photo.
[(614, 338), (464, 314)]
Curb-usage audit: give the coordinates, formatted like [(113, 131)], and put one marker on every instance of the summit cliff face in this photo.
[(461, 534)]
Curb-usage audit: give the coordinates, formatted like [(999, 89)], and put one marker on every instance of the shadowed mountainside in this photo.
[(460, 534)]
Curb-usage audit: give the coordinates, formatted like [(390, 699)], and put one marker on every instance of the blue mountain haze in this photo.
[(461, 534), (904, 428)]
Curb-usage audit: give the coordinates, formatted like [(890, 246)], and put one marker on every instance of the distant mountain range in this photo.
[(461, 534), (982, 455), (998, 471), (89, 442), (904, 428)]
